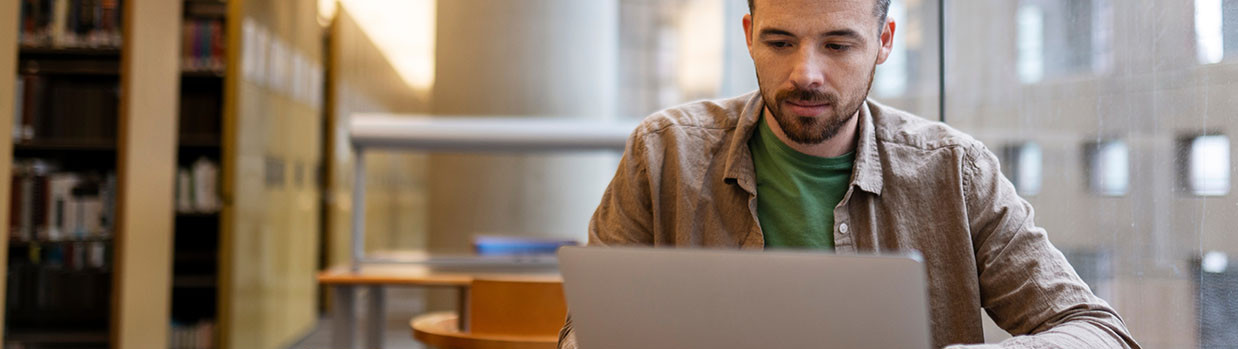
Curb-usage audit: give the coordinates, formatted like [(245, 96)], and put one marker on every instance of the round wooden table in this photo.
[(440, 330)]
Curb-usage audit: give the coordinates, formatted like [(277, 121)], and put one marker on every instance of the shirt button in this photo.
[(842, 228)]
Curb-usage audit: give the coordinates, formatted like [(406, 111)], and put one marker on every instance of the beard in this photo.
[(815, 129)]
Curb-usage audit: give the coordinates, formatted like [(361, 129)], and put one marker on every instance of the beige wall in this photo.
[(363, 80)]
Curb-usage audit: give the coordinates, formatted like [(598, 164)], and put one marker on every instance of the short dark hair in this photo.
[(881, 8)]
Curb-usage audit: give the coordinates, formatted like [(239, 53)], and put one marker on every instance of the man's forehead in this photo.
[(813, 14)]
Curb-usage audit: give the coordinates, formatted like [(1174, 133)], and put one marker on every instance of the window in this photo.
[(1109, 167), (1022, 165), (1205, 168), (1062, 38)]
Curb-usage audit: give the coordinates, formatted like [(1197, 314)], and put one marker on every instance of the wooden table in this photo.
[(440, 330), (345, 282)]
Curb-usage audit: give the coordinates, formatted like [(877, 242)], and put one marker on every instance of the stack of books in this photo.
[(47, 205), (202, 46), (43, 109), (197, 336), (197, 187), (70, 23)]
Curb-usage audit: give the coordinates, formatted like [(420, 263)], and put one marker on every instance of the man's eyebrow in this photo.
[(773, 32), (848, 33)]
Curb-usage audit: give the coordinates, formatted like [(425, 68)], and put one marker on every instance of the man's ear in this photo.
[(748, 32), (887, 40)]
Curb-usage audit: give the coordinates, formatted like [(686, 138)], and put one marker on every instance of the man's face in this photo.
[(815, 61)]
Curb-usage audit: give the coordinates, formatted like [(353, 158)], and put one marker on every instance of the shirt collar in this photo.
[(739, 168)]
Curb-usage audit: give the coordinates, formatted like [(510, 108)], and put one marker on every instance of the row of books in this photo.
[(42, 109), (196, 336), (71, 23), (55, 296), (70, 255), (47, 205), (202, 45), (196, 187)]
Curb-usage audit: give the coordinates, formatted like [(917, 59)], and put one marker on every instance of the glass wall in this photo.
[(676, 51), (1112, 118)]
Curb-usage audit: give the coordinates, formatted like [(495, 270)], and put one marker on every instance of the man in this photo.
[(808, 162)]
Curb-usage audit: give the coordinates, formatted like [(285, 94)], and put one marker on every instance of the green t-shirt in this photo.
[(796, 192)]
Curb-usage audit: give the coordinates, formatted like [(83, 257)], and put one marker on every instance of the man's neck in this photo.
[(839, 145)]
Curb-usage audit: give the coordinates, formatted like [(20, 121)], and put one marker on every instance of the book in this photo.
[(31, 105), (202, 45), (50, 206), (59, 205), (20, 93), (70, 23), (39, 204), (205, 174), (184, 191), (60, 14)]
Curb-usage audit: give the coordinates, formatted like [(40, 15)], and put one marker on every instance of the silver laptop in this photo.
[(676, 298)]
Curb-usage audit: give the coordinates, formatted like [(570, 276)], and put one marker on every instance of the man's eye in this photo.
[(837, 47), (779, 44)]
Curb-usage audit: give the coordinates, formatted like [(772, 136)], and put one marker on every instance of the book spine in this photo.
[(217, 45), (203, 43), (32, 106), (42, 198), (18, 103), (60, 10), (205, 174), (184, 191), (107, 195), (187, 45), (26, 223), (108, 17)]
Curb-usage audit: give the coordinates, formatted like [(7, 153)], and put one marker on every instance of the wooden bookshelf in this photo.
[(202, 277), (71, 275), (81, 122), (195, 271)]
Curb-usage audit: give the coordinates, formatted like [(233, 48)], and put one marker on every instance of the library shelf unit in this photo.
[(86, 89)]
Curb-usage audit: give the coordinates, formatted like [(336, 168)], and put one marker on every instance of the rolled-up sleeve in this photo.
[(1026, 285)]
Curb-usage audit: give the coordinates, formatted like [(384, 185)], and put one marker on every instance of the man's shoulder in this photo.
[(895, 126), (716, 114)]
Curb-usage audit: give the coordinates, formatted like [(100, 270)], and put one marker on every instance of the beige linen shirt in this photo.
[(687, 180)]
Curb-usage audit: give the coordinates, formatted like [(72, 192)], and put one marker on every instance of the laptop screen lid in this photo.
[(680, 298)]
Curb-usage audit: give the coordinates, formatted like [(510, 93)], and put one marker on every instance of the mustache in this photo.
[(810, 96)]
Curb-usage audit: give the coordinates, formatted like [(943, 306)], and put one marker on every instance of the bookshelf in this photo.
[(195, 262), (241, 267), (61, 207), (85, 139)]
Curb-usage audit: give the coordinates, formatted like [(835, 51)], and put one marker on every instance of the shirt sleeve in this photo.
[(625, 215), (1026, 285)]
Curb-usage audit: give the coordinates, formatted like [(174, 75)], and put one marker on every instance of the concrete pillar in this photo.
[(552, 58)]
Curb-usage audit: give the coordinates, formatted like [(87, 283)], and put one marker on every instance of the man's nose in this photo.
[(809, 71)]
